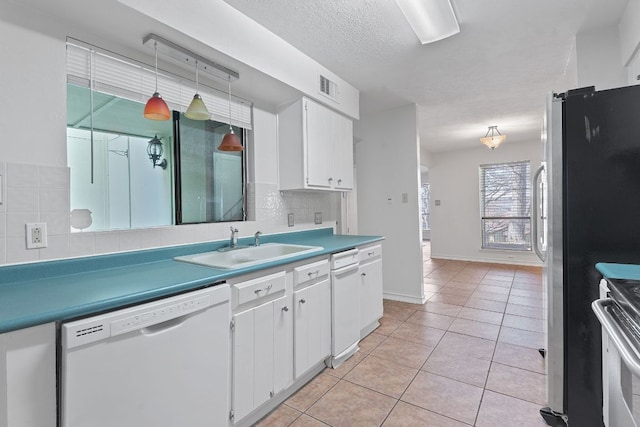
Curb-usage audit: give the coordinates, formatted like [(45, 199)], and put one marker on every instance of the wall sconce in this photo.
[(493, 138), (154, 150)]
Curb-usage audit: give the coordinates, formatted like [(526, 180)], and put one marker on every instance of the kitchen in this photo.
[(42, 48)]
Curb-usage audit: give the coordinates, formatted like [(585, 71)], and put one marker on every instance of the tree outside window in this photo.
[(505, 205)]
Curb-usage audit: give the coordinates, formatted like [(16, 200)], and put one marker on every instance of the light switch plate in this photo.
[(290, 220), (317, 218)]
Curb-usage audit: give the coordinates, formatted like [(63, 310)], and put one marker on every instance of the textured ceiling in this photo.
[(496, 71)]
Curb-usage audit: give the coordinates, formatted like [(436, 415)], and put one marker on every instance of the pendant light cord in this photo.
[(230, 127), (155, 45), (196, 76)]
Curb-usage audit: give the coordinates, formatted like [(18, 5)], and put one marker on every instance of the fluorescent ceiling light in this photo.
[(431, 20)]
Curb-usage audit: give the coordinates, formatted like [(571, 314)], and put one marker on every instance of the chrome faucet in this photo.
[(234, 238), (257, 238)]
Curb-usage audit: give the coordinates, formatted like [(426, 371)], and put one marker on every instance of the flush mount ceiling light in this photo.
[(431, 20), (197, 110), (493, 138), (156, 108), (230, 142), (154, 150)]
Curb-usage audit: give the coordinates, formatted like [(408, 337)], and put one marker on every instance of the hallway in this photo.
[(467, 357)]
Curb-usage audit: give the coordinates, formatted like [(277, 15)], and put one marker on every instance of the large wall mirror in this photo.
[(115, 184)]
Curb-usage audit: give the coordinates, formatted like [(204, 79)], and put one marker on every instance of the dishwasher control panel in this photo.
[(159, 315), (85, 331)]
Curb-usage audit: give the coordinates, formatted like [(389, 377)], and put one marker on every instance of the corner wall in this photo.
[(455, 224), (388, 167)]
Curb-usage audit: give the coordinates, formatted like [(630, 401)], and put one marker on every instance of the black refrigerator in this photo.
[(587, 211)]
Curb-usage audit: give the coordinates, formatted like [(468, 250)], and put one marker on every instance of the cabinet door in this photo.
[(343, 157), (319, 325), (370, 293), (319, 145), (28, 377), (312, 327), (243, 367), (264, 357), (300, 335), (282, 344)]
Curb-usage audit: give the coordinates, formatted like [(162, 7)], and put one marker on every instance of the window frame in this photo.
[(525, 245)]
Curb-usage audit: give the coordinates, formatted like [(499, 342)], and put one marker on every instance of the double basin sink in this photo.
[(247, 256)]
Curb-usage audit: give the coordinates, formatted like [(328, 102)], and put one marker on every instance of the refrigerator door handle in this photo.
[(534, 222)]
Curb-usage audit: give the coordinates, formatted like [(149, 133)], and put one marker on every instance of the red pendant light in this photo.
[(230, 142), (156, 108)]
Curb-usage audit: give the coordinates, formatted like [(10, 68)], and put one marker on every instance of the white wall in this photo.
[(455, 224), (599, 61), (387, 159), (630, 32), (33, 158)]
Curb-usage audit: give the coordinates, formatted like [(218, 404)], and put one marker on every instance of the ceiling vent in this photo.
[(328, 88)]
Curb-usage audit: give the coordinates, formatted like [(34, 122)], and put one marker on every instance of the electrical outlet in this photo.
[(317, 218), (290, 220), (36, 234)]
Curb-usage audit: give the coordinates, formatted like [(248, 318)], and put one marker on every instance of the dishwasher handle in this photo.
[(352, 268)]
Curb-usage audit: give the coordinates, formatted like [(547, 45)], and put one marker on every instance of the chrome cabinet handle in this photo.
[(285, 308), (330, 179), (370, 253), (363, 274), (302, 301), (311, 273), (267, 289), (339, 181)]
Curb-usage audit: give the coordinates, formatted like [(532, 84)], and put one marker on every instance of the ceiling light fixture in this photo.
[(230, 142), (156, 108), (154, 150), (197, 110), (493, 138), (431, 20), (186, 57)]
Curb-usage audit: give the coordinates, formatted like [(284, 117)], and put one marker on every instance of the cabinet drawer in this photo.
[(370, 253), (310, 272), (252, 290)]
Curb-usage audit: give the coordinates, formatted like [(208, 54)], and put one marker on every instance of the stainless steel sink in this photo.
[(245, 257)]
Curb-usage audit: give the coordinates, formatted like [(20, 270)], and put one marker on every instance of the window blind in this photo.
[(124, 78), (505, 205)]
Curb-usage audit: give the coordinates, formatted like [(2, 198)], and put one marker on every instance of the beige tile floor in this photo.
[(467, 357)]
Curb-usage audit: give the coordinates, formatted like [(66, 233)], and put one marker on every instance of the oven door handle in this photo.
[(616, 335)]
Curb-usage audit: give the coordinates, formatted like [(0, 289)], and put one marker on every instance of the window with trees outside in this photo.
[(505, 206)]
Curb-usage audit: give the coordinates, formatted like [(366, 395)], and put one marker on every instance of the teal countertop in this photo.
[(619, 271), (37, 293)]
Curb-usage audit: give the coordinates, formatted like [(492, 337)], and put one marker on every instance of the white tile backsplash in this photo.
[(16, 224), (41, 194), (24, 176), (22, 199), (54, 177), (54, 200), (82, 244), (17, 252)]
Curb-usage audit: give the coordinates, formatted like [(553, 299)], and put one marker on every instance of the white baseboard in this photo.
[(532, 263), (404, 298)]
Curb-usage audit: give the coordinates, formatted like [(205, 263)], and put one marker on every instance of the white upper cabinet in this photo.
[(315, 148)]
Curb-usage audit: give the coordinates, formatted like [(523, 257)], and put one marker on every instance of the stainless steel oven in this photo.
[(619, 314)]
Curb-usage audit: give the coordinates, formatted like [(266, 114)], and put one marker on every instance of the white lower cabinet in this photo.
[(28, 377), (312, 326), (262, 355), (371, 291)]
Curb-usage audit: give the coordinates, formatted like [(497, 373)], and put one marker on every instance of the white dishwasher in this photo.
[(345, 306), (162, 364)]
